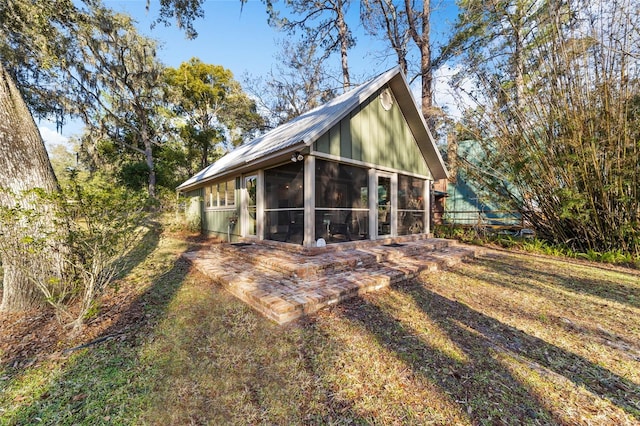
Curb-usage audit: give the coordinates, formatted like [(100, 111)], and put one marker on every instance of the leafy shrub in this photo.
[(90, 229), (591, 255), (506, 241), (535, 245), (134, 175)]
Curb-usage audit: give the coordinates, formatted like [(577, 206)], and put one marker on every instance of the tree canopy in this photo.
[(67, 58), (214, 110)]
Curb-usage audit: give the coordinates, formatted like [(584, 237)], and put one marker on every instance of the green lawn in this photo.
[(506, 339)]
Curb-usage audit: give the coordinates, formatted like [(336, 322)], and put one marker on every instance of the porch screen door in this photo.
[(384, 206), (250, 187)]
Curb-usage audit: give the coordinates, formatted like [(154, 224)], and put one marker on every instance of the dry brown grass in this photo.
[(505, 339)]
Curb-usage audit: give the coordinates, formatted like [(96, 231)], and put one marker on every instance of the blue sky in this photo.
[(242, 41)]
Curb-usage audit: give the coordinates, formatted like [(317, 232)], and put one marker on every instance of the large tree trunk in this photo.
[(148, 153), (24, 164), (148, 156)]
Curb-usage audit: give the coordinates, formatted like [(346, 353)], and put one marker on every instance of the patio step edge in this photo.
[(271, 289)]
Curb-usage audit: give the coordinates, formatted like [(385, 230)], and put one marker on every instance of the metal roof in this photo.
[(307, 128)]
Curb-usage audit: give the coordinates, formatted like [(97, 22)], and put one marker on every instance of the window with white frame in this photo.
[(221, 194)]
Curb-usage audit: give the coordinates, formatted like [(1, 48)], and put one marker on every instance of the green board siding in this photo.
[(376, 136), (217, 222), (356, 143), (357, 135), (467, 197), (334, 140), (194, 193), (214, 221), (322, 144)]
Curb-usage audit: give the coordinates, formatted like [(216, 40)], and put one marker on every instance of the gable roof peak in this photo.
[(308, 127)]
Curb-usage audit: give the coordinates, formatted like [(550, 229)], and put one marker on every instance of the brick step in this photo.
[(286, 292), (332, 262), (302, 266), (338, 286), (396, 253)]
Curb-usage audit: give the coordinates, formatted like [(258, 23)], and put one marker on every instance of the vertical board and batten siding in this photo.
[(217, 221), (214, 221), (467, 199), (373, 135)]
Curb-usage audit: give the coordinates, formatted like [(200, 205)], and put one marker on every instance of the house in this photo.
[(469, 201), (359, 167)]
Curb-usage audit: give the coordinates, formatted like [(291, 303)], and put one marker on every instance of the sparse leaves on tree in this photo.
[(94, 227), (557, 117)]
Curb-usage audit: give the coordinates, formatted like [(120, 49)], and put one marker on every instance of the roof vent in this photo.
[(386, 99)]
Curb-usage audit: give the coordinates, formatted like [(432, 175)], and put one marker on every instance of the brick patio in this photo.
[(285, 282)]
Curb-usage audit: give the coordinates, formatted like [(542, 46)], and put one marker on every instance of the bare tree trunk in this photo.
[(391, 23), (425, 60), (423, 41), (344, 44), (19, 294), (204, 158), (148, 155), (24, 164), (517, 22), (152, 172)]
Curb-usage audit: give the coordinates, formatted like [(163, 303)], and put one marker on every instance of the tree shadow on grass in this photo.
[(109, 383), (473, 329), (550, 285), (35, 339), (610, 289), (486, 390), (531, 280), (335, 410), (143, 248), (100, 384), (480, 384)]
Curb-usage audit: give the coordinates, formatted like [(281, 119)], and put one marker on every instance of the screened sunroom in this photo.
[(357, 168)]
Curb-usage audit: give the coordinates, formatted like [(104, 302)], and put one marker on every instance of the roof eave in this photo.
[(371, 88), (268, 160), (306, 139)]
